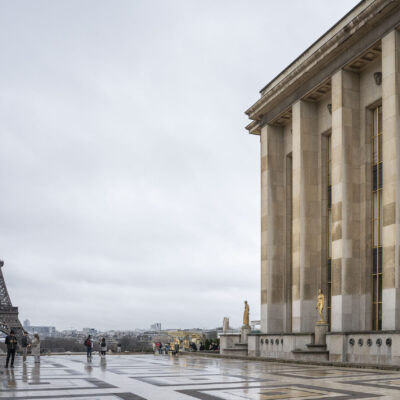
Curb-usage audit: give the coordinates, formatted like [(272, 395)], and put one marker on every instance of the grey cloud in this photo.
[(130, 191)]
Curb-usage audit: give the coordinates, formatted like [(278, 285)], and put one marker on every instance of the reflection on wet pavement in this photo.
[(158, 377)]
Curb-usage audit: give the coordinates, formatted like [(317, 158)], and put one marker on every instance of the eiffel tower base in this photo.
[(8, 313), (9, 320)]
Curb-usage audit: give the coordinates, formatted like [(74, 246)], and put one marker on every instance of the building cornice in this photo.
[(357, 23)]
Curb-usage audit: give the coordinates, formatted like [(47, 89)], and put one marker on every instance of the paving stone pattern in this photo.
[(156, 377)]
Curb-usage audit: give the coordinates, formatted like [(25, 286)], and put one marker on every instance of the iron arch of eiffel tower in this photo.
[(8, 313)]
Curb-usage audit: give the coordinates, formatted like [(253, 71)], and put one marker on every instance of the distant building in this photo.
[(27, 324), (89, 331), (187, 336), (44, 331), (69, 332), (156, 327)]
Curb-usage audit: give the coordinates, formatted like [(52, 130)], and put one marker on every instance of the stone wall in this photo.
[(277, 346), (228, 341), (365, 347)]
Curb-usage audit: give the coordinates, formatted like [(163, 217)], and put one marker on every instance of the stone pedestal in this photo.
[(321, 329), (244, 332), (225, 326)]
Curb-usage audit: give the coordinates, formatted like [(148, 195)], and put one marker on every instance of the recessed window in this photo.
[(377, 220), (329, 229)]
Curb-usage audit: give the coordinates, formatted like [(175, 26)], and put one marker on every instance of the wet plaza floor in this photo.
[(151, 377)]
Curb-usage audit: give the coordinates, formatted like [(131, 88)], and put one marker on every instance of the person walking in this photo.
[(89, 347), (25, 344), (11, 342), (119, 347), (103, 348), (36, 348)]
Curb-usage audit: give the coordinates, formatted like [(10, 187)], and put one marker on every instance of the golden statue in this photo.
[(246, 315), (320, 306)]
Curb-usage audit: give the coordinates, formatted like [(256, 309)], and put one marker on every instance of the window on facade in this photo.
[(329, 228), (377, 221)]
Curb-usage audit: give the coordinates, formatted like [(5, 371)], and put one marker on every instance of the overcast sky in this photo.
[(129, 186)]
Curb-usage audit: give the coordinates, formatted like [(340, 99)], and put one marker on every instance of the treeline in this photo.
[(61, 345), (130, 343)]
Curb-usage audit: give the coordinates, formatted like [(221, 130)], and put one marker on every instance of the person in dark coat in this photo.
[(11, 343), (25, 344), (89, 347)]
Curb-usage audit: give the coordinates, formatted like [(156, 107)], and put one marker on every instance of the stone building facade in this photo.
[(329, 128)]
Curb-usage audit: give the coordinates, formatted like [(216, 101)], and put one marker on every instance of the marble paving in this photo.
[(160, 377)]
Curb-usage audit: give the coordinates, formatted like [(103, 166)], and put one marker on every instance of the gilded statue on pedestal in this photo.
[(246, 315), (320, 306)]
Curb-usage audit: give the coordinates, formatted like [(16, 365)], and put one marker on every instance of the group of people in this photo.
[(89, 343), (26, 345), (212, 347), (159, 348)]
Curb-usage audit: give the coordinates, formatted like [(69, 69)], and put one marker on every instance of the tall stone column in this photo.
[(345, 202), (306, 235), (391, 180), (272, 229)]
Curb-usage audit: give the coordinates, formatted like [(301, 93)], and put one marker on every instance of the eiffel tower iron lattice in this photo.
[(8, 313)]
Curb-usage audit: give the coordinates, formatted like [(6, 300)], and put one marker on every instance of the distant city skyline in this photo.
[(153, 327)]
